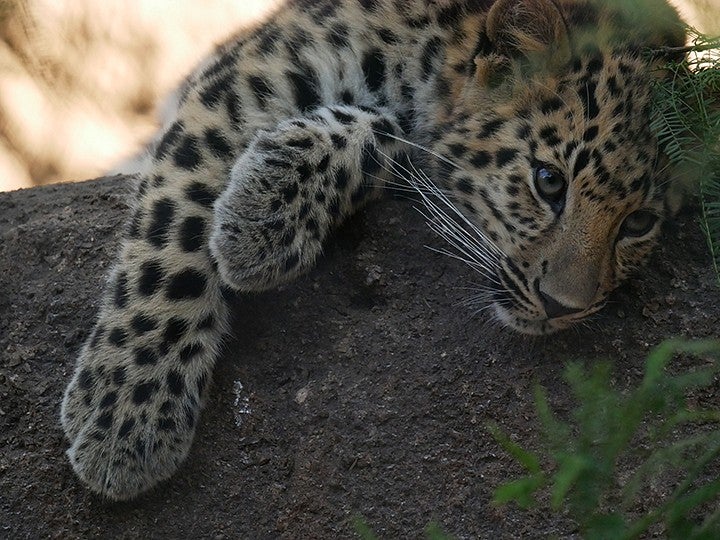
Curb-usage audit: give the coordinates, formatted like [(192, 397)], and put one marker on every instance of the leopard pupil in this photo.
[(639, 223), (550, 182), (550, 185)]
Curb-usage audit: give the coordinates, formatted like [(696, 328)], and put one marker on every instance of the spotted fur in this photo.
[(292, 126)]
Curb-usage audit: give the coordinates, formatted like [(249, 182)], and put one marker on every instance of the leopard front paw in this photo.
[(291, 185), (270, 221), (128, 429)]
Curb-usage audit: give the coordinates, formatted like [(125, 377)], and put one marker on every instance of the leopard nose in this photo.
[(553, 308)]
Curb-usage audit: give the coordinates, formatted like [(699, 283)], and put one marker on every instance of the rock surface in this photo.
[(363, 389)]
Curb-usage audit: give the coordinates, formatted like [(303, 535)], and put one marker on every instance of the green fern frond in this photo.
[(686, 121)]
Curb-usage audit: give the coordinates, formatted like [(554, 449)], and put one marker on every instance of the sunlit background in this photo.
[(80, 80)]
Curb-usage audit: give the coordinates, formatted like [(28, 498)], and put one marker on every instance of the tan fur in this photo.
[(531, 27), (537, 135)]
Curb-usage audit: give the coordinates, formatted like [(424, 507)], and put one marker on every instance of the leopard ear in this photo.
[(529, 30)]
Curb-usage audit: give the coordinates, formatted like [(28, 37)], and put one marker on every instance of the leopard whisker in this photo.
[(478, 311), (472, 247), (428, 184), (477, 288), (459, 239), (481, 300), (419, 147), (485, 265), (482, 270), (402, 186), (447, 224), (459, 243)]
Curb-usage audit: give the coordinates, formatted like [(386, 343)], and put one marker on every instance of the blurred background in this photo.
[(80, 80)]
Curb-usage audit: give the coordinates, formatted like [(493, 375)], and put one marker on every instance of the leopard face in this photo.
[(564, 176)]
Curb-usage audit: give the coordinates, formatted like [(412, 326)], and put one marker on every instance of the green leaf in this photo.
[(362, 529), (656, 362), (638, 425), (434, 532), (605, 527), (685, 504), (686, 121), (661, 355), (520, 491), (661, 458), (571, 468), (710, 528), (557, 434), (527, 459)]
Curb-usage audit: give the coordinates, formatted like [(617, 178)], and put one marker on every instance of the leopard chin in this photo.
[(541, 326), (538, 327)]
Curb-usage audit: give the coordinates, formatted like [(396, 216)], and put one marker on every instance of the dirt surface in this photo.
[(362, 389)]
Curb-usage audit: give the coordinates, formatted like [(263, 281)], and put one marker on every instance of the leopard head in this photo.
[(552, 155)]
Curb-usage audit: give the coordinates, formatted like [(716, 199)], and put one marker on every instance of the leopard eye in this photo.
[(551, 186), (638, 224)]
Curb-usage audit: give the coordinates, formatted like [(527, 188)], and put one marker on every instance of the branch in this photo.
[(667, 51)]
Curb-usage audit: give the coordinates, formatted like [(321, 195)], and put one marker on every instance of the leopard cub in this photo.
[(528, 117)]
